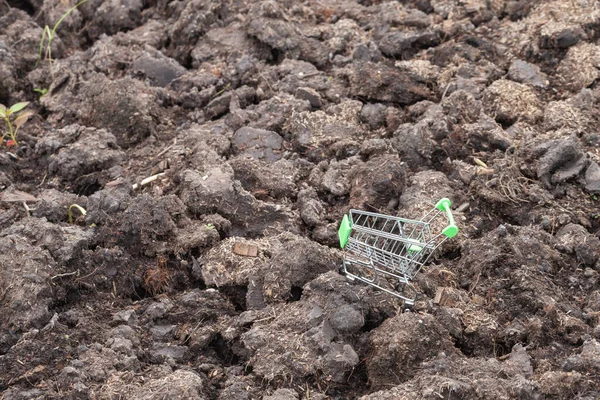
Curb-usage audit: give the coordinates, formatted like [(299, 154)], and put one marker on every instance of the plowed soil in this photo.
[(169, 213)]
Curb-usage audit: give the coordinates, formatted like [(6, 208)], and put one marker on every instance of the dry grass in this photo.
[(3, 287), (546, 19), (474, 319), (223, 267), (513, 101), (345, 114), (560, 114), (422, 69), (508, 182), (580, 12), (157, 279), (579, 68), (127, 385)]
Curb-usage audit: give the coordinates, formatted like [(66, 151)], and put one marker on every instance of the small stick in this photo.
[(166, 149), (43, 180), (445, 91), (28, 209), (63, 275), (308, 75), (148, 180)]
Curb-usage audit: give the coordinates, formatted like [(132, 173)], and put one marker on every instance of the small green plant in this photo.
[(41, 91), (209, 226), (15, 118), (50, 33), (78, 207)]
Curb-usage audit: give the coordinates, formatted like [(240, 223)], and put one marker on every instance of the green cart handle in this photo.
[(444, 205), (344, 231)]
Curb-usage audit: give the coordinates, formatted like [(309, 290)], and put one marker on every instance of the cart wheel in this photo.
[(341, 270), (400, 288)]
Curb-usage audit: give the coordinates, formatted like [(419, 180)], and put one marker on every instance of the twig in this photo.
[(90, 274), (28, 209), (148, 180), (43, 180), (63, 275), (445, 91), (220, 92), (166, 149)]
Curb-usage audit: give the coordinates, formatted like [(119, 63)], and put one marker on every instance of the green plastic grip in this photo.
[(444, 205), (344, 231)]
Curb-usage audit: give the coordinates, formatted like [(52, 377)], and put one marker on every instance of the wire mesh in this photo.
[(387, 252)]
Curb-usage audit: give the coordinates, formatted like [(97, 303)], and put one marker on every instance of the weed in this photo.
[(78, 207), (220, 92), (50, 33), (15, 118), (158, 278)]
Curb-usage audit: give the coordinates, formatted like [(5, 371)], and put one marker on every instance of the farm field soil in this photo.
[(212, 148)]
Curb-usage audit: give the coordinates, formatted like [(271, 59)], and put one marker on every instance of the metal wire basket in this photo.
[(387, 252)]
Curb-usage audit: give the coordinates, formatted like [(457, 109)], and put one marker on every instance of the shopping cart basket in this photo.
[(387, 252)]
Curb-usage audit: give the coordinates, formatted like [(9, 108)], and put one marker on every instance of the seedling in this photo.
[(15, 118), (78, 207), (50, 33), (42, 92)]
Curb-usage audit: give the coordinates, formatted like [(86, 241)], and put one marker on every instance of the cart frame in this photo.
[(387, 252)]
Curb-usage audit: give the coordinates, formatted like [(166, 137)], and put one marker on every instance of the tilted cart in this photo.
[(387, 252)]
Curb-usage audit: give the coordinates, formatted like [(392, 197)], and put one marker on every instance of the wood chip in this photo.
[(16, 196), (243, 249), (445, 297)]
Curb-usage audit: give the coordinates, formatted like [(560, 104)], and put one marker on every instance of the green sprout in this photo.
[(42, 92), (78, 207), (50, 33), (15, 118)]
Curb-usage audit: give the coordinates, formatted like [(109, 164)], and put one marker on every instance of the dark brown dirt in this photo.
[(215, 147)]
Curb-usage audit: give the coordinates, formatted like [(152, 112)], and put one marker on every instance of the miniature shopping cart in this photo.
[(387, 252)]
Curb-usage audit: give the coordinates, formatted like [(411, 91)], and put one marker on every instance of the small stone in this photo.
[(347, 319), (315, 313), (159, 70), (310, 212), (177, 353), (366, 52), (313, 97), (562, 160), (339, 360), (218, 106), (592, 178), (397, 43), (161, 331), (158, 310), (125, 316), (373, 115), (283, 394), (530, 74), (120, 345), (258, 143)]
